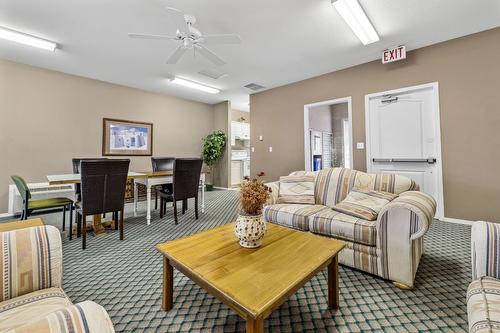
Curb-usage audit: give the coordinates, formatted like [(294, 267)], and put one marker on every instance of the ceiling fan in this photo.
[(191, 38)]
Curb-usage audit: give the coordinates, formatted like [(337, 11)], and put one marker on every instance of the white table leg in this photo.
[(148, 191), (203, 195), (136, 197)]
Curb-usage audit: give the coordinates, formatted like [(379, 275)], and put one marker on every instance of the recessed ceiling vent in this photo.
[(254, 86), (212, 73)]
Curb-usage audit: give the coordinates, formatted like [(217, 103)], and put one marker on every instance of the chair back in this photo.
[(22, 187), (103, 185), (76, 169), (162, 163), (186, 177)]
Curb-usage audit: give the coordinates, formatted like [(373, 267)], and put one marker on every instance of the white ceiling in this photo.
[(283, 40)]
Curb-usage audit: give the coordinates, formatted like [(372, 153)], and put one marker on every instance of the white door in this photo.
[(403, 137)]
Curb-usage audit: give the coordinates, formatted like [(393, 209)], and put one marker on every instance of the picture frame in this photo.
[(126, 138)]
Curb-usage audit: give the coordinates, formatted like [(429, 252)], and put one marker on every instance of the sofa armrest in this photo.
[(416, 204), (82, 317), (275, 188), (485, 249), (32, 260)]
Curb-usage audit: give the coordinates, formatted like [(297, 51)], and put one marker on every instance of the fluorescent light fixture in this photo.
[(22, 38), (194, 85), (356, 19)]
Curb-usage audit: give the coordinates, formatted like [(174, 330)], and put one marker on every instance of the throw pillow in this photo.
[(296, 189), (365, 204)]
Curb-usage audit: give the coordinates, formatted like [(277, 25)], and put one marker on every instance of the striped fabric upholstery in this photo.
[(33, 306), (296, 189), (400, 227), (483, 305), (485, 252), (30, 260), (362, 257), (79, 318), (291, 215), (333, 185), (332, 223), (365, 204), (275, 189)]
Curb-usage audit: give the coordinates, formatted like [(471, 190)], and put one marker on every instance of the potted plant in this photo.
[(213, 148), (250, 228)]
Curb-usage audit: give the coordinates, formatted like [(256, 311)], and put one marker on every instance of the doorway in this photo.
[(403, 136), (328, 134)]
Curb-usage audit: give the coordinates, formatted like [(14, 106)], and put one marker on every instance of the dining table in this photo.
[(147, 178), (154, 178)]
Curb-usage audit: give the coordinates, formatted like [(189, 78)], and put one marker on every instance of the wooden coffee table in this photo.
[(253, 282)]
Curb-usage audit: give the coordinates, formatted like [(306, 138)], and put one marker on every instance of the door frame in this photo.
[(439, 165), (307, 138)]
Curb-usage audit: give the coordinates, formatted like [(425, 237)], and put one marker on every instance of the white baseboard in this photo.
[(6, 215), (458, 221), (221, 188)]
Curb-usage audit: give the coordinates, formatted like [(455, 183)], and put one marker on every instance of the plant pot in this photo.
[(209, 187), (250, 230)]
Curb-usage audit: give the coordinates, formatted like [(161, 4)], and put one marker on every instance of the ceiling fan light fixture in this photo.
[(356, 19), (26, 39), (194, 85)]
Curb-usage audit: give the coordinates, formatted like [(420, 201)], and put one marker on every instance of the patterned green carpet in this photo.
[(125, 278)]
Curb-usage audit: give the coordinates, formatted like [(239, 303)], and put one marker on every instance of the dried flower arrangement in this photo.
[(253, 195)]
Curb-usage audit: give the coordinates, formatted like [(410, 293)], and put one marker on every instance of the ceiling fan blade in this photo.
[(177, 16), (148, 36), (221, 39), (174, 57), (210, 55)]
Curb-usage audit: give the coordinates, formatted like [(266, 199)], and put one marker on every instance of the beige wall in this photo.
[(320, 119), (47, 117), (222, 121), (236, 115), (468, 72)]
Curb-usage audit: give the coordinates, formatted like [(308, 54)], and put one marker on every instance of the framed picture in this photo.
[(126, 138)]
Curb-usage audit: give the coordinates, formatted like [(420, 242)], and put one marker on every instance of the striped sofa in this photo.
[(31, 298), (390, 246), (483, 294)]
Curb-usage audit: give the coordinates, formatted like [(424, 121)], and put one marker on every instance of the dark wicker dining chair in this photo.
[(103, 190), (186, 184), (76, 169), (162, 164)]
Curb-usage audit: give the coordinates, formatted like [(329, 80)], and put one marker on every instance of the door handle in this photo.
[(430, 160)]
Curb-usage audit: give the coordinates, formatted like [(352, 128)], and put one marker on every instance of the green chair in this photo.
[(30, 205)]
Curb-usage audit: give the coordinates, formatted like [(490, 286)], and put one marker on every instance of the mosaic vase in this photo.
[(250, 230)]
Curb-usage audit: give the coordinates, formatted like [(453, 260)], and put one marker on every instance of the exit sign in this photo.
[(395, 54)]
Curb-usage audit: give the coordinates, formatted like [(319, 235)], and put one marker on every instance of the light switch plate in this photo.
[(360, 145), (261, 138), (253, 149), (270, 149)]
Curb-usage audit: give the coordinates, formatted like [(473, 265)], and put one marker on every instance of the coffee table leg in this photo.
[(333, 283), (168, 285), (255, 325)]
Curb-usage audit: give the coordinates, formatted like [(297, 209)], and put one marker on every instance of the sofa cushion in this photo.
[(30, 259), (33, 306), (483, 310), (365, 204), (333, 185), (339, 225), (296, 189), (292, 215), (82, 317)]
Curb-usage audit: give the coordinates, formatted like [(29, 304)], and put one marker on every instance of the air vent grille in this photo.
[(254, 86)]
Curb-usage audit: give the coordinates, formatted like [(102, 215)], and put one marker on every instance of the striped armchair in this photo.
[(483, 294), (31, 298), (390, 246)]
